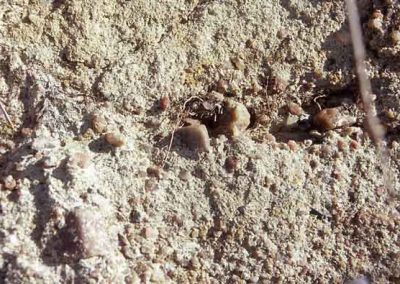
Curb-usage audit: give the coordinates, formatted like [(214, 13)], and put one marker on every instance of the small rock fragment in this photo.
[(26, 132), (231, 164), (235, 120), (9, 182), (195, 137), (164, 103), (84, 235), (99, 123), (184, 175), (154, 172), (331, 118), (222, 86), (295, 109), (376, 21), (150, 233), (292, 145), (115, 139), (354, 145), (79, 160), (238, 63), (395, 36)]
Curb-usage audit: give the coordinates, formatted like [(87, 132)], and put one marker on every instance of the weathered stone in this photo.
[(115, 139), (195, 137), (331, 118), (235, 120), (84, 235)]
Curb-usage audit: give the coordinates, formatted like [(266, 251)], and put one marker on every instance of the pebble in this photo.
[(222, 86), (395, 36), (195, 137), (114, 139), (79, 160), (270, 138), (238, 63), (331, 118), (376, 21), (9, 182), (235, 120), (164, 103), (45, 143), (85, 235), (295, 109), (154, 171), (292, 145), (184, 175), (150, 233), (354, 145), (99, 123), (26, 132), (231, 164)]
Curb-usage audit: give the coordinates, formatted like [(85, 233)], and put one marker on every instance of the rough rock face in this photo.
[(85, 234), (282, 201)]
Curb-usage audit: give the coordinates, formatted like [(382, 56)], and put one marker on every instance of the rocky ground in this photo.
[(196, 141)]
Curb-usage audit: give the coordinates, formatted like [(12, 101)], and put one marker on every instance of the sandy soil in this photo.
[(288, 200)]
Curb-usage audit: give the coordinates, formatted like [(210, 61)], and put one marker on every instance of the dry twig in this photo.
[(374, 127), (3, 110)]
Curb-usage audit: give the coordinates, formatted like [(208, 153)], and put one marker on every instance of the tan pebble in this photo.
[(277, 85), (195, 263), (231, 164), (222, 86), (150, 233), (99, 123), (354, 145), (164, 103), (9, 182), (26, 132), (395, 36), (341, 145), (251, 43), (235, 120), (154, 171), (255, 87), (295, 109), (184, 175), (80, 160), (195, 137), (331, 118), (376, 21), (114, 139), (282, 33), (270, 138), (292, 145), (263, 119), (238, 63)]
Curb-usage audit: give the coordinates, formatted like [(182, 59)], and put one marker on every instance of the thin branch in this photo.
[(3, 110), (374, 127)]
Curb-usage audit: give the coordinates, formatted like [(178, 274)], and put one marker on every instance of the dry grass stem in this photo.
[(3, 110), (375, 129)]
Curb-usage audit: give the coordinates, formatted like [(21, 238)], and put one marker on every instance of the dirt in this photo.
[(281, 202)]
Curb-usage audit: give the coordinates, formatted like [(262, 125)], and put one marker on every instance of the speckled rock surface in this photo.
[(252, 209)]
